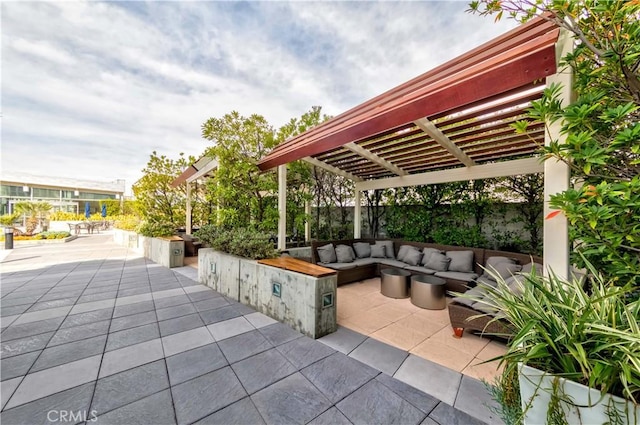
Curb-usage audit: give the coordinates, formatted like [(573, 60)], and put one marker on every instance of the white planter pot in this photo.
[(581, 404)]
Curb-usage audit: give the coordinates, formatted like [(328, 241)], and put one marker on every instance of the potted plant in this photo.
[(576, 347)]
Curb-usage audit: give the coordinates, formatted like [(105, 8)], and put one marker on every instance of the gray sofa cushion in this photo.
[(345, 254), (422, 270), (506, 270), (378, 251), (477, 292), (339, 266), (363, 249), (413, 257), (516, 284), (392, 263), (426, 254), (438, 262), (461, 261), (365, 261), (527, 268), (493, 261), (327, 253), (464, 277), (388, 248), (404, 250)]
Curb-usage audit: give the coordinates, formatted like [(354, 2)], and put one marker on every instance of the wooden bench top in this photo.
[(297, 265)]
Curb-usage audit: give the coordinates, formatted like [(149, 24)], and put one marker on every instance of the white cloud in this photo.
[(92, 89)]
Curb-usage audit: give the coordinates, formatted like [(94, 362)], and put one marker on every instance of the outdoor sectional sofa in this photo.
[(460, 267)]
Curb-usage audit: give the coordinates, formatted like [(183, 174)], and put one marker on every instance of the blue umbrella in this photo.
[(87, 209), (104, 210)]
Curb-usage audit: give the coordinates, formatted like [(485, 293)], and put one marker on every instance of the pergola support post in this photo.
[(282, 207), (188, 211), (557, 174), (307, 222), (357, 215)]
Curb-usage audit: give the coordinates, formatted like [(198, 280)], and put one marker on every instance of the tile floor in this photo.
[(424, 333), (90, 329)]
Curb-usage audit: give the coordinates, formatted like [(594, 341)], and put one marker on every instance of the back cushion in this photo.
[(404, 250), (388, 248), (378, 251), (438, 262), (461, 261), (426, 254), (327, 253), (528, 267), (363, 249), (413, 257), (345, 254), (493, 261)]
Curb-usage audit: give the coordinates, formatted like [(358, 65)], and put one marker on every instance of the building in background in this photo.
[(69, 195)]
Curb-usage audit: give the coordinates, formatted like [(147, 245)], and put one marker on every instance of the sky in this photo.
[(91, 89)]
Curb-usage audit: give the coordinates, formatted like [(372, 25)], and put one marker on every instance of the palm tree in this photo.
[(35, 212)]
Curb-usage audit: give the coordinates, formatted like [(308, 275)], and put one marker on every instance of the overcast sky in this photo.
[(89, 90)]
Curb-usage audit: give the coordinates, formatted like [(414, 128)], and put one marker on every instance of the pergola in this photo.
[(199, 169), (452, 123)]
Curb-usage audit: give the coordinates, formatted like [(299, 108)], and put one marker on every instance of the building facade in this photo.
[(64, 194)]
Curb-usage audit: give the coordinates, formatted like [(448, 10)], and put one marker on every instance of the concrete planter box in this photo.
[(166, 251), (587, 405), (306, 303)]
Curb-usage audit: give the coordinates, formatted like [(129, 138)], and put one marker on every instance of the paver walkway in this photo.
[(93, 332)]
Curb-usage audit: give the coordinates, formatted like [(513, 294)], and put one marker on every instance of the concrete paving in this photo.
[(92, 332)]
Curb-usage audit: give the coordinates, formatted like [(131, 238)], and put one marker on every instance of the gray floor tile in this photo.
[(155, 409), (293, 400), (175, 311), (244, 345), (77, 333), (131, 385), (13, 310), (15, 347), (338, 375), (473, 398), (132, 356), (180, 324), (86, 318), (429, 421), (12, 300), (93, 305), (262, 370), (50, 381), (61, 294), (419, 399), (301, 352), (279, 333), (183, 341), (66, 353), (44, 305), (17, 365), (132, 336), (139, 290), (374, 403), (100, 296), (435, 380), (171, 301), (207, 294), (445, 414), (196, 362), (259, 320), (219, 314), (199, 397), (343, 340), (331, 417), (129, 309), (127, 322), (35, 413), (242, 412), (124, 299), (165, 293), (42, 315), (209, 303), (229, 328), (379, 355), (7, 388), (242, 309)]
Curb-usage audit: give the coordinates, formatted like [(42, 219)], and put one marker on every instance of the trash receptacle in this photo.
[(8, 238)]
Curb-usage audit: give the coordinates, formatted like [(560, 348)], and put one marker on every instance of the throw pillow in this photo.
[(413, 257), (363, 249), (528, 267), (493, 261), (378, 251), (516, 284), (404, 249), (438, 262), (505, 270), (344, 254), (388, 248), (426, 254), (461, 261), (327, 253)]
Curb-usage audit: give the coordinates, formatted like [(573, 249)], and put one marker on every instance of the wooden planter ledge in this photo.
[(297, 265)]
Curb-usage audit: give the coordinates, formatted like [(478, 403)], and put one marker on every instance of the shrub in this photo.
[(66, 216), (156, 230), (246, 243), (126, 222)]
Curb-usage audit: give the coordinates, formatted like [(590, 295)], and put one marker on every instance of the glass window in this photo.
[(39, 192)]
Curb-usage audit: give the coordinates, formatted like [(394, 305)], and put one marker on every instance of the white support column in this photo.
[(357, 215), (282, 207), (188, 211), (557, 174), (307, 223)]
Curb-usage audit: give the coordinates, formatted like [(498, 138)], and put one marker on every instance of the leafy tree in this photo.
[(34, 212), (243, 193), (157, 200), (601, 128)]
